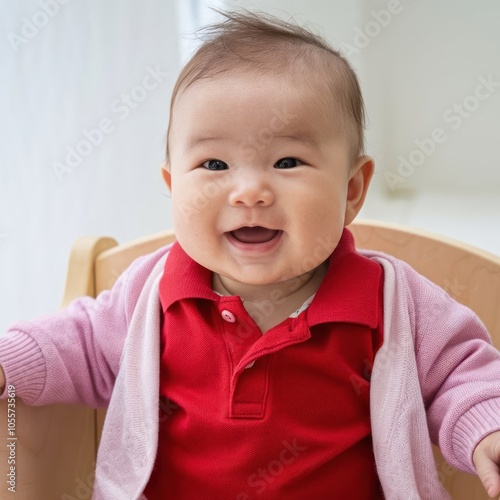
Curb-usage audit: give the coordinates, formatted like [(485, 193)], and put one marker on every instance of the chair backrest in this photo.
[(470, 275)]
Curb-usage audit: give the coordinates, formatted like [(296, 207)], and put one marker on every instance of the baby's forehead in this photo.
[(287, 96), (317, 90)]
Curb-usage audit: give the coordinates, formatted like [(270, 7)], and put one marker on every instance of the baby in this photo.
[(261, 355)]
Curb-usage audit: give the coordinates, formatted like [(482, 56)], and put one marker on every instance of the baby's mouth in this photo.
[(256, 234)]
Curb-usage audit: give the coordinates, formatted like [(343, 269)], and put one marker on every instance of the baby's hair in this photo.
[(247, 41)]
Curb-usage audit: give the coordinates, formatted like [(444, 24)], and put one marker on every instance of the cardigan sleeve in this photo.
[(459, 371), (73, 356)]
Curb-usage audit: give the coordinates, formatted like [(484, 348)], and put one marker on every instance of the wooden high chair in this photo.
[(56, 445)]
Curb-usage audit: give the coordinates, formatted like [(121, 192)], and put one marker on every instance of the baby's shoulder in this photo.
[(143, 265), (134, 278)]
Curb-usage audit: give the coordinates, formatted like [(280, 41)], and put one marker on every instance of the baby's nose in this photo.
[(252, 192)]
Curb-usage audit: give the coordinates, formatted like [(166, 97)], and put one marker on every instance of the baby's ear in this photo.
[(165, 172), (357, 187)]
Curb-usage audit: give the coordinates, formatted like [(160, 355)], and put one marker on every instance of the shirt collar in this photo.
[(349, 292), (184, 278)]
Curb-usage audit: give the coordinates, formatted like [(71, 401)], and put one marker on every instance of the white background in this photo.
[(73, 69)]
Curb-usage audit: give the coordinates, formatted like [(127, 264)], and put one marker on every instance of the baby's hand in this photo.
[(486, 458)]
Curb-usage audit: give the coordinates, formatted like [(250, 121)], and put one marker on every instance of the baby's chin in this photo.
[(256, 281), (264, 280)]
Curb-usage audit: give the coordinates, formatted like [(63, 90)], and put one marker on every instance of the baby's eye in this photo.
[(215, 165), (287, 163)]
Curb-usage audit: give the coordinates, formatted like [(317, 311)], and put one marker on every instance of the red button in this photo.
[(228, 316)]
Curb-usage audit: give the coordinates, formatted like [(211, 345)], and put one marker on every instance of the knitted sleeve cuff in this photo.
[(23, 364), (481, 420)]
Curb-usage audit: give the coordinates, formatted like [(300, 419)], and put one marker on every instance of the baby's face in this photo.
[(260, 180)]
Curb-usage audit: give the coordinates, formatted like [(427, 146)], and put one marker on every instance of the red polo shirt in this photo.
[(294, 425)]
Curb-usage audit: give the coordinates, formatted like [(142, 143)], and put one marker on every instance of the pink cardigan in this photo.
[(436, 377)]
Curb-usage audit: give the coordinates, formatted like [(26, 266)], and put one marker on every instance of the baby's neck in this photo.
[(278, 300)]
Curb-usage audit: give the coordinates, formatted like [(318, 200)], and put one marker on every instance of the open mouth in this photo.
[(256, 234), (256, 239)]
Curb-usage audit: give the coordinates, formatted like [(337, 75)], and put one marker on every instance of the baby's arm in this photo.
[(72, 356), (487, 461), (67, 357), (459, 373)]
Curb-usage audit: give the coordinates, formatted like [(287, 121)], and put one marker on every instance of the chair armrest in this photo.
[(80, 278)]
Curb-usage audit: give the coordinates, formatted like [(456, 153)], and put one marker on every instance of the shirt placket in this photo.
[(249, 353)]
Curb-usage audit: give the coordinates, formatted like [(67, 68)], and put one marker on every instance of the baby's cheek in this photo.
[(187, 209)]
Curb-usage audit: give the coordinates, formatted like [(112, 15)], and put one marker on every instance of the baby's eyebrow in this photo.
[(197, 140), (301, 137)]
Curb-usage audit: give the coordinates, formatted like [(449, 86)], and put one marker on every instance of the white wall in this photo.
[(71, 73), (420, 76), (431, 57)]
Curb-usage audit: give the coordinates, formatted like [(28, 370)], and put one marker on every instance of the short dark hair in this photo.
[(249, 41)]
